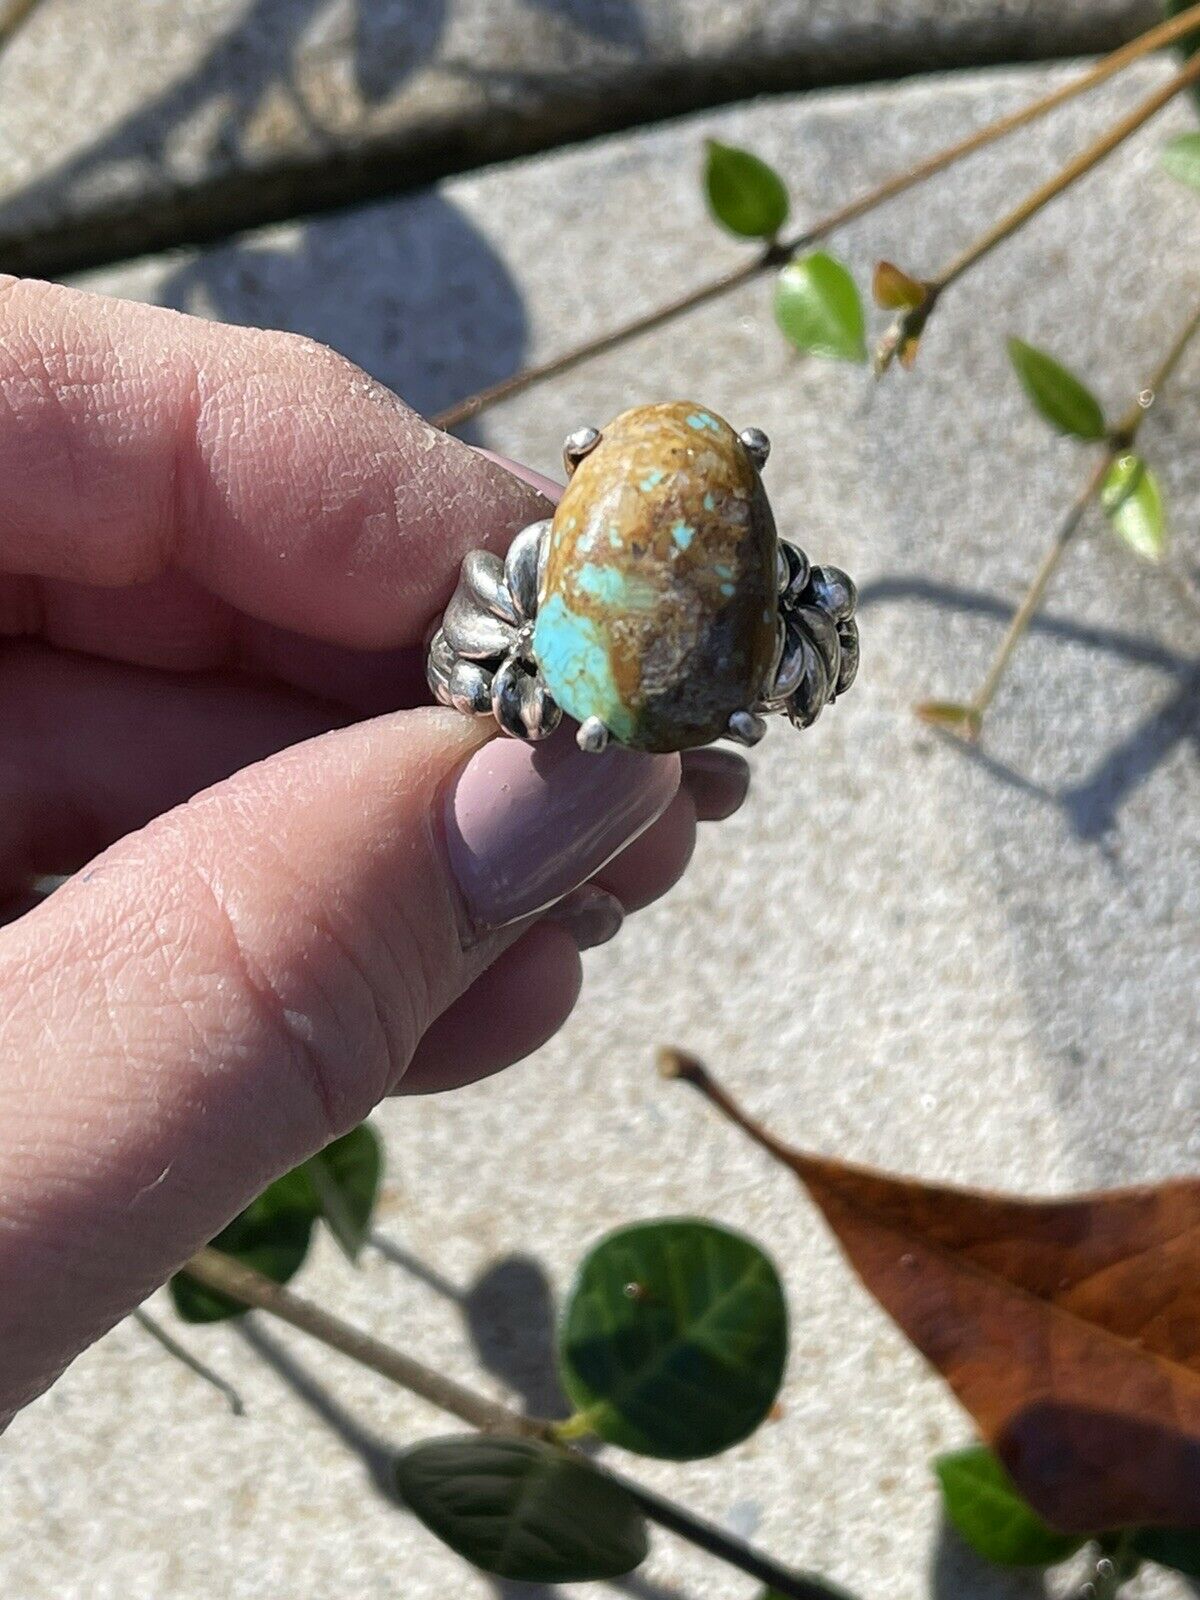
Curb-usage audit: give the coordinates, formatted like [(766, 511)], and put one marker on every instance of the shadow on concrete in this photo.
[(616, 22), (377, 1454), (1094, 884), (231, 87), (509, 1315), (957, 1573), (413, 293), (1091, 807)]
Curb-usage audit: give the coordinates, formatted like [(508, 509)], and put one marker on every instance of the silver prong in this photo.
[(592, 736), (577, 445), (745, 727), (757, 445)]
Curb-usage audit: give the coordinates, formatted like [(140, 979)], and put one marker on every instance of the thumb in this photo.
[(219, 995)]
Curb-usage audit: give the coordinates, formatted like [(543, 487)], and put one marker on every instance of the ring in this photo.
[(657, 607)]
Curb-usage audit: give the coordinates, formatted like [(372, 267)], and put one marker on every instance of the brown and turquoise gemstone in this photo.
[(657, 603)]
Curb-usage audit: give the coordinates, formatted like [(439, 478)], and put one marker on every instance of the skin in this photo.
[(219, 552)]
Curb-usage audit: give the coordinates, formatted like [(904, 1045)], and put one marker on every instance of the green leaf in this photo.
[(1181, 158), (1065, 402), (817, 305), (1133, 500), (744, 194), (673, 1339), (1177, 1548), (522, 1510), (987, 1510), (345, 1184), (271, 1235)]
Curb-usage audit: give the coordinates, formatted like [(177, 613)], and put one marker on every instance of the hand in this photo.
[(219, 550)]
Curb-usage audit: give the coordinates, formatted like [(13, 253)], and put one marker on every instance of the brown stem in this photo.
[(454, 416), (1034, 595), (775, 254), (1083, 163), (222, 1273), (226, 1276), (682, 1067), (1122, 438)]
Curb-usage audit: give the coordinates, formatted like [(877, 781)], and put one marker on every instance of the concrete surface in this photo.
[(977, 968), (132, 127)]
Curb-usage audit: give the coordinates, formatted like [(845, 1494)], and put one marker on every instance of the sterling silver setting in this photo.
[(481, 661)]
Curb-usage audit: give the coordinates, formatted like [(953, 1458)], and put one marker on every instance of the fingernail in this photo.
[(718, 782), (527, 824), (591, 915)]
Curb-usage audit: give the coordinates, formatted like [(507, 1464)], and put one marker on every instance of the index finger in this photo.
[(136, 441)]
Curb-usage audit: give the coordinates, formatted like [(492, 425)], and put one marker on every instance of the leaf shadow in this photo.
[(508, 1313)]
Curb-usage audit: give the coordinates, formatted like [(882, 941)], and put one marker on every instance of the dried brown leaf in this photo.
[(1069, 1329)]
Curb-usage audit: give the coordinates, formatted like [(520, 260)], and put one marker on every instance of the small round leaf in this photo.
[(344, 1178), (271, 1235), (1133, 500), (989, 1513), (1059, 396), (673, 1339), (522, 1510), (1181, 158), (817, 305), (744, 194)]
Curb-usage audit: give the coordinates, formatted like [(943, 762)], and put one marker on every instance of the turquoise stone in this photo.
[(657, 608)]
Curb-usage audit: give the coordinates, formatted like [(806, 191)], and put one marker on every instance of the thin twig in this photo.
[(1121, 439), (229, 1277), (191, 1362), (1083, 163), (1165, 33)]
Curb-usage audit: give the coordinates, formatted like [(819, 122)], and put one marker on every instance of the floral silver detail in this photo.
[(481, 658), (817, 657)]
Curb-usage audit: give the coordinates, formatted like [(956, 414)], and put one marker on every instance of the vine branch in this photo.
[(912, 324), (1121, 438), (779, 251), (226, 1276)]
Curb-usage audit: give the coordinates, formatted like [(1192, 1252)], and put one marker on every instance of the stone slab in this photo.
[(980, 969), (129, 128)]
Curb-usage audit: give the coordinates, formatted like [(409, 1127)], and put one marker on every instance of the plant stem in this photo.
[(229, 1277), (463, 410), (1083, 163), (776, 253), (1121, 438), (191, 1362), (1031, 603)]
